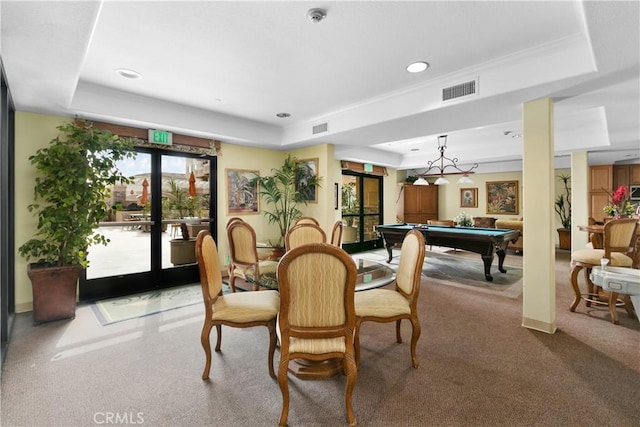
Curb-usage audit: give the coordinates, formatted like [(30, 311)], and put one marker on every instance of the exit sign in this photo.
[(160, 137), (368, 167)]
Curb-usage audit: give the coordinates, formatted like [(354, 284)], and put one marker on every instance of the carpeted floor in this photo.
[(478, 367)]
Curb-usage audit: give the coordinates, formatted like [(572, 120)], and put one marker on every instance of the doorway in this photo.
[(362, 203), (153, 224)]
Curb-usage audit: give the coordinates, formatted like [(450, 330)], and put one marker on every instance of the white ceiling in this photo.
[(224, 69)]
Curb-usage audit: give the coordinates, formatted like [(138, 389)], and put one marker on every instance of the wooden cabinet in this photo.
[(620, 175), (634, 174), (600, 181), (626, 175), (420, 203)]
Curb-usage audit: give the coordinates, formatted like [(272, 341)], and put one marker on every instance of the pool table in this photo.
[(483, 241)]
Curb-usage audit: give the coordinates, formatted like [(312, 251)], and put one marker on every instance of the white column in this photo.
[(539, 285), (579, 198)]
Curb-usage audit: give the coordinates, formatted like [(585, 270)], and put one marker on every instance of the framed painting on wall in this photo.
[(242, 191), (308, 169), (502, 197), (468, 197)]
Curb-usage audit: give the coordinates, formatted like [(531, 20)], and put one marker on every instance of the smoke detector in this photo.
[(316, 15)]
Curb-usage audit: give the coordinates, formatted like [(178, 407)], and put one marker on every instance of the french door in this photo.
[(361, 211), (153, 224)]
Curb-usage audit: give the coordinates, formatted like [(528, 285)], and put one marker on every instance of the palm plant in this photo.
[(280, 191), (563, 203)]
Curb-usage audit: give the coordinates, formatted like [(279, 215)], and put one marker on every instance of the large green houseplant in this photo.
[(74, 176), (281, 192), (563, 209)]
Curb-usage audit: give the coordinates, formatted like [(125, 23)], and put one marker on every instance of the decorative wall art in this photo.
[(468, 197), (242, 191), (309, 169), (502, 197)]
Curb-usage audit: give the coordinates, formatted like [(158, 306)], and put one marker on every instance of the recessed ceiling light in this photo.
[(129, 74), (283, 115), (417, 67)]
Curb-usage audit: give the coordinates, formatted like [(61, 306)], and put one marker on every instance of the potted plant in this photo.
[(350, 207), (74, 176), (181, 204), (281, 193), (563, 209)]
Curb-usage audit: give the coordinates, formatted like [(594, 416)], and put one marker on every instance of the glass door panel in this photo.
[(128, 225), (153, 225), (361, 211), (185, 207)]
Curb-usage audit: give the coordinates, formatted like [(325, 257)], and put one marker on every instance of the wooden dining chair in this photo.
[(317, 316), (233, 219), (238, 310), (618, 240), (302, 234), (336, 233), (386, 305), (307, 220), (243, 253)]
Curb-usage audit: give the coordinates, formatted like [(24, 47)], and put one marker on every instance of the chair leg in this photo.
[(590, 287), (628, 306), (415, 335), (272, 345), (283, 382), (232, 280), (573, 278), (398, 335), (352, 376), (219, 338), (356, 342), (613, 299), (206, 345)]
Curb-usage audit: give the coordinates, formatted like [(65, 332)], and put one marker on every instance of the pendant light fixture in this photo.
[(440, 165)]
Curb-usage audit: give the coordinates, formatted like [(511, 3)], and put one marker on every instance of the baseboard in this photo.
[(538, 325)]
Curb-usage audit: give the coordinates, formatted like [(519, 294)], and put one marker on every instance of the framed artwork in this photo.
[(308, 169), (242, 191), (502, 197), (468, 197)]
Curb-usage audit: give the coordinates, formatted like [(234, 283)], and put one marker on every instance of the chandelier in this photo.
[(439, 165)]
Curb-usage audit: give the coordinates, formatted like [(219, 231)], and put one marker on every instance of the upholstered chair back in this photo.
[(619, 236), (307, 220), (336, 233), (317, 284), (242, 243), (210, 277), (303, 234), (410, 265)]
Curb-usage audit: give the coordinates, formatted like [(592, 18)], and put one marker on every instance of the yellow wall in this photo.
[(34, 131), (449, 195)]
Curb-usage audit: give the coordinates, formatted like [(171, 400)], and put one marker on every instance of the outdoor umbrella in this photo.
[(144, 199), (192, 185)]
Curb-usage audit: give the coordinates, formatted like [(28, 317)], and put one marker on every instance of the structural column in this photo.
[(539, 283), (579, 198)]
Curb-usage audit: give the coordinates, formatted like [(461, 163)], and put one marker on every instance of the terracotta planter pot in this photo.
[(54, 292), (564, 235)]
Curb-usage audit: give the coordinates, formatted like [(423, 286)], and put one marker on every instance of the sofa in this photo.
[(513, 224)]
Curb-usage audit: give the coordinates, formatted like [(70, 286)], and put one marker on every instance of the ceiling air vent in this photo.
[(320, 128), (457, 91)]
